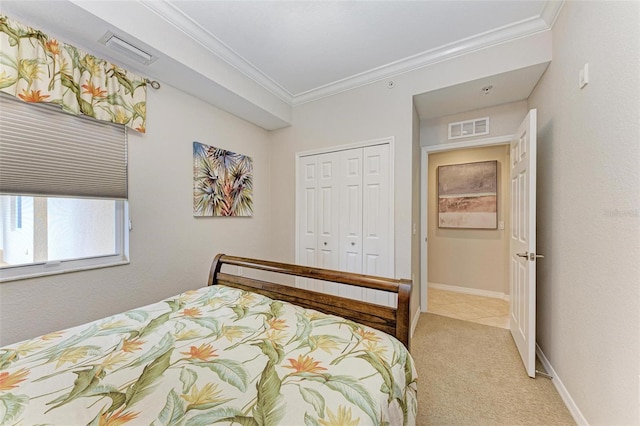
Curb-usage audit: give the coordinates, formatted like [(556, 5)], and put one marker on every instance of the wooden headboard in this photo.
[(394, 321)]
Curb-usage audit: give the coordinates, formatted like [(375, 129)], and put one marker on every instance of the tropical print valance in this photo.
[(38, 68)]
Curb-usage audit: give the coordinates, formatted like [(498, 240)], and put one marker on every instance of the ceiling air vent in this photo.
[(466, 129), (127, 49)]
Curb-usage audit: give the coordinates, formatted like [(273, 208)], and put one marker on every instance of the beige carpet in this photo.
[(471, 374)]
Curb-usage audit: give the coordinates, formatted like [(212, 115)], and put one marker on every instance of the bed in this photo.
[(244, 350)]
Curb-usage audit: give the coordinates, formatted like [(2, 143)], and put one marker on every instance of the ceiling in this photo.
[(258, 58), (303, 46)]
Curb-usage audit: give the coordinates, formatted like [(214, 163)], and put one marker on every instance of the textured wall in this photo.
[(504, 119), (589, 209)]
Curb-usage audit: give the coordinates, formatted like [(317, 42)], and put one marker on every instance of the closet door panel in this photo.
[(376, 214), (376, 218), (307, 223), (328, 217), (351, 210), (308, 190), (351, 216)]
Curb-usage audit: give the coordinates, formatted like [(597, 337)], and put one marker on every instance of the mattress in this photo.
[(212, 355)]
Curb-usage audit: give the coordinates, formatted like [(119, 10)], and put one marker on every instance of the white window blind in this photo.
[(47, 152)]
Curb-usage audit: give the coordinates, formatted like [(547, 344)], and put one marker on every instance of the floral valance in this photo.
[(38, 68)]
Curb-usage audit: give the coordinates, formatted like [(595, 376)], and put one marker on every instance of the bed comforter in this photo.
[(215, 355)]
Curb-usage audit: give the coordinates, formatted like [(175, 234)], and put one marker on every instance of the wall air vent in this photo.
[(466, 129), (123, 47)]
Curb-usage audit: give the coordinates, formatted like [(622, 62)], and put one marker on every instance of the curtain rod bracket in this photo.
[(153, 83)]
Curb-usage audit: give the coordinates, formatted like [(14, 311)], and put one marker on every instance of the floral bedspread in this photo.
[(212, 355)]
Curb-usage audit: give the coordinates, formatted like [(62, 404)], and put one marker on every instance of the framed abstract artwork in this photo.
[(222, 182), (468, 195)]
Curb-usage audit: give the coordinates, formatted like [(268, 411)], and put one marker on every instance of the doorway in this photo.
[(483, 252), (522, 232), (468, 277)]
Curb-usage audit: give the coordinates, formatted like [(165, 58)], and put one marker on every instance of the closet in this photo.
[(344, 216)]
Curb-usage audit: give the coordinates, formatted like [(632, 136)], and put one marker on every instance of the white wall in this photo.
[(589, 209), (504, 120), (374, 111), (171, 251)]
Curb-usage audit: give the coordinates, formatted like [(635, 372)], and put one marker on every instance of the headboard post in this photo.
[(215, 268), (403, 312)]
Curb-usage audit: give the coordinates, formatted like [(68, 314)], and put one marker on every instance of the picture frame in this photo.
[(468, 195), (222, 182)]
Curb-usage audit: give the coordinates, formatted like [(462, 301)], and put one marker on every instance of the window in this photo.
[(63, 191)]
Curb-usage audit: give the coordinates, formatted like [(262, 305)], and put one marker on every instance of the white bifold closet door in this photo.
[(318, 238), (344, 219)]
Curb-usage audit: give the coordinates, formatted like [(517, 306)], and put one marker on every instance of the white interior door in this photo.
[(328, 214), (318, 222), (523, 241), (328, 218), (351, 210), (344, 215), (376, 211), (307, 225), (351, 217), (375, 220), (307, 196)]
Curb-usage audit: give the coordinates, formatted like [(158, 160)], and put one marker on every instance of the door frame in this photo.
[(424, 207), (390, 140)]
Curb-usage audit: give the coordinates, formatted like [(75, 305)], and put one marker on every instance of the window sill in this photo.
[(42, 270)]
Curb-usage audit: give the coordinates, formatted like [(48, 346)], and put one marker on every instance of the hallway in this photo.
[(469, 307)]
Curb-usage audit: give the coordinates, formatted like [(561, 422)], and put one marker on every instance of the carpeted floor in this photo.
[(471, 374)]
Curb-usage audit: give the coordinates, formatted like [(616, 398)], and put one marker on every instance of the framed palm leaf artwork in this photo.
[(222, 182)]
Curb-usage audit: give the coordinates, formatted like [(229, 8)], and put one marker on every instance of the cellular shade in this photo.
[(47, 152)]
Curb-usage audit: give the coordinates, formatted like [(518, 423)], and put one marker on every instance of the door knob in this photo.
[(325, 243), (353, 243), (530, 256)]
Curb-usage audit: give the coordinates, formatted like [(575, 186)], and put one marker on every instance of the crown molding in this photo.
[(182, 22), (490, 38), (551, 10), (175, 17)]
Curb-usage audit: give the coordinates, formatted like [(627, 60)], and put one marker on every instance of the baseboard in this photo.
[(414, 322), (475, 292), (564, 393)]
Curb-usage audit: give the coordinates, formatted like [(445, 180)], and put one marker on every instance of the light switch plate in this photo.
[(584, 76)]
